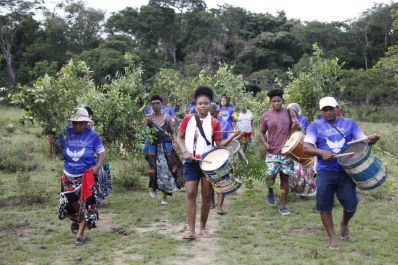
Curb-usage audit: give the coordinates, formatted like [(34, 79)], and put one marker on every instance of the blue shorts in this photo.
[(152, 148), (329, 183), (192, 171)]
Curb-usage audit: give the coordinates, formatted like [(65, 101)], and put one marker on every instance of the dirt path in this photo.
[(201, 250)]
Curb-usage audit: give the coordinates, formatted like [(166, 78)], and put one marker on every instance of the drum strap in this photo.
[(200, 127), (338, 130), (290, 120)]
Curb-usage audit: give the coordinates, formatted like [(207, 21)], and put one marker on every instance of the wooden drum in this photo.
[(294, 148)]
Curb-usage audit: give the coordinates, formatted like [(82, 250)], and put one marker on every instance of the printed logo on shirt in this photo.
[(335, 146), (75, 155)]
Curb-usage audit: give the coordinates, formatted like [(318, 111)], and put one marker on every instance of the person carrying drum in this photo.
[(304, 175), (195, 140), (325, 139), (278, 123)]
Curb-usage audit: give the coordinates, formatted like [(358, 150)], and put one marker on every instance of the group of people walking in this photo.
[(205, 126)]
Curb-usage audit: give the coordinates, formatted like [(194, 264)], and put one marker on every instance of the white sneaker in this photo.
[(163, 202), (152, 194)]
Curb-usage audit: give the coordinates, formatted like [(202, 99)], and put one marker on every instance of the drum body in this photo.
[(366, 171), (294, 148), (220, 171)]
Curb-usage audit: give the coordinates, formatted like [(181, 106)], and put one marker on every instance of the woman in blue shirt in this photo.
[(82, 151)]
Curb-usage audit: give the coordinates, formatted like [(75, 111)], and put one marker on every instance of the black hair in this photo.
[(275, 92), (226, 97), (204, 91), (90, 111), (157, 97)]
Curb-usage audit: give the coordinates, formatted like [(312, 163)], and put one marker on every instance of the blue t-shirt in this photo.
[(191, 108), (149, 110), (303, 122), (79, 150), (225, 118), (324, 136)]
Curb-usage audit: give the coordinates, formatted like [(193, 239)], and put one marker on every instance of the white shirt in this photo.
[(244, 121)]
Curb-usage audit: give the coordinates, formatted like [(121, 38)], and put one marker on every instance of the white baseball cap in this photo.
[(327, 102), (81, 115)]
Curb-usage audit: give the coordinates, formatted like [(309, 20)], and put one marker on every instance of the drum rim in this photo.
[(355, 163), (295, 144), (208, 152)]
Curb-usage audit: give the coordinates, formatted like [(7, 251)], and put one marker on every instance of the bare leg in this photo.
[(206, 192), (344, 230), (213, 201), (284, 189), (220, 203), (270, 184), (327, 220), (82, 227), (191, 188)]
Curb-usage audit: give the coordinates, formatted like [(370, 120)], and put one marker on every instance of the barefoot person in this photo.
[(193, 144), (325, 138), (84, 155), (278, 124)]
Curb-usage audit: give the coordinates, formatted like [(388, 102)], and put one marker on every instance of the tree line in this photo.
[(184, 35)]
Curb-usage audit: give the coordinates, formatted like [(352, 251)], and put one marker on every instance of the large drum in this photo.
[(367, 172), (294, 148), (220, 171)]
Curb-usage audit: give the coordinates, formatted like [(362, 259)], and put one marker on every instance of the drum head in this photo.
[(292, 142), (233, 146), (218, 157), (361, 150)]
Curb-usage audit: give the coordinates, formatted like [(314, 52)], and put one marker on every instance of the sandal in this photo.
[(188, 235), (220, 211), (205, 234), (80, 241), (74, 227)]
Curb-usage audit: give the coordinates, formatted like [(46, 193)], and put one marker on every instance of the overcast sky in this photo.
[(306, 10)]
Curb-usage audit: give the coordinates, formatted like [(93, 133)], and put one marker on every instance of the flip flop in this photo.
[(334, 247), (80, 241), (221, 212), (74, 227), (205, 234), (188, 235)]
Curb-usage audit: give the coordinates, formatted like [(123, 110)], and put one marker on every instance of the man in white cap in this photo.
[(325, 138)]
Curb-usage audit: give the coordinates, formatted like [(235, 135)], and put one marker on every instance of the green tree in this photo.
[(311, 84), (14, 14), (51, 100)]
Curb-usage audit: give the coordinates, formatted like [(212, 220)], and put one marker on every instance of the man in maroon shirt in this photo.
[(277, 124)]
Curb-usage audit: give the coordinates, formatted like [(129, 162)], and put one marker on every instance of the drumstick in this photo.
[(345, 154), (203, 160), (358, 141), (224, 131)]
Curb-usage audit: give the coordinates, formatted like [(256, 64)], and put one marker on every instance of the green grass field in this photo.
[(135, 229)]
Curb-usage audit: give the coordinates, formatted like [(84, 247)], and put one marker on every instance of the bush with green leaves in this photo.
[(318, 80), (174, 85), (51, 100), (118, 108), (21, 155), (129, 176), (30, 192)]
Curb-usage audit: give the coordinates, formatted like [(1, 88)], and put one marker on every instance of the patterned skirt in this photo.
[(70, 205)]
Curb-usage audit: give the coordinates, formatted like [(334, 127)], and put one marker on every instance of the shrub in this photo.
[(30, 192), (130, 176), (22, 155), (10, 128)]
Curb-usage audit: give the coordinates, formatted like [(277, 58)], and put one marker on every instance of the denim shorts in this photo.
[(329, 183), (192, 171)]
